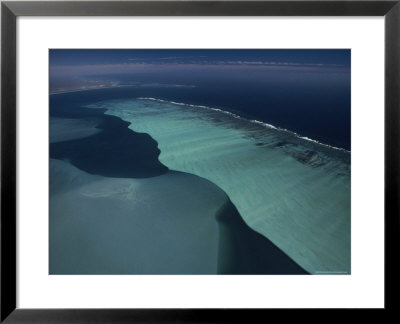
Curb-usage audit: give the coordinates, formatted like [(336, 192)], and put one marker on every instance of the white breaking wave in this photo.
[(251, 121), (264, 124), (190, 105)]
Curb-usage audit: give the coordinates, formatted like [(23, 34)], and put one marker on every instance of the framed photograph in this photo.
[(194, 161)]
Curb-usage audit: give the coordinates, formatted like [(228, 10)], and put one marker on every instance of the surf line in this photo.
[(254, 121)]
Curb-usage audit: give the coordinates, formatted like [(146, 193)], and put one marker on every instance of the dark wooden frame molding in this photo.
[(10, 10)]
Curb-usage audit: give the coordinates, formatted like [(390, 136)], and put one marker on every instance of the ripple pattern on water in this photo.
[(294, 191)]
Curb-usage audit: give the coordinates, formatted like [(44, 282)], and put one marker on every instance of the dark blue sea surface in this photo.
[(313, 105)]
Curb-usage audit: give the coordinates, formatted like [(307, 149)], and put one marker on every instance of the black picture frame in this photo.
[(10, 10)]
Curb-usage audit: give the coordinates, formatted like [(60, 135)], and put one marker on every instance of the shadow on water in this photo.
[(117, 151), (244, 251)]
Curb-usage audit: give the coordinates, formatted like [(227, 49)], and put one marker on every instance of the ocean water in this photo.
[(316, 106), (286, 186), (107, 225), (115, 209)]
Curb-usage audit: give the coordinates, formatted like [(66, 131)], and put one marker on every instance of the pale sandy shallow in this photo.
[(297, 199), (160, 225)]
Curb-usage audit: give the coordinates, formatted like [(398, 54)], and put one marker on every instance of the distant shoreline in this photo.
[(88, 89), (138, 85)]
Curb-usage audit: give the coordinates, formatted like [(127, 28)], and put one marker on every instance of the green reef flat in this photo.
[(290, 189)]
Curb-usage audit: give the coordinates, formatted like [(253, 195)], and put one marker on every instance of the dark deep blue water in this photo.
[(315, 105)]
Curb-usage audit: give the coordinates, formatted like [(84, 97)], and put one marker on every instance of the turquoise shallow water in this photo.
[(105, 225), (293, 191)]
